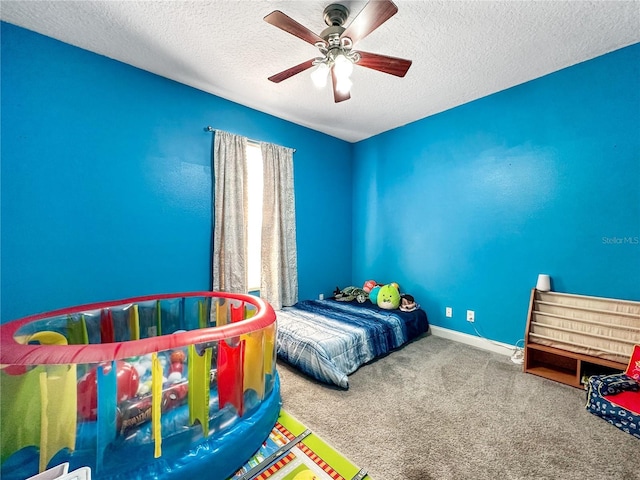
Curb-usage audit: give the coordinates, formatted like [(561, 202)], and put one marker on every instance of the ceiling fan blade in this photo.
[(383, 63), (374, 14), (290, 72), (289, 25), (337, 95)]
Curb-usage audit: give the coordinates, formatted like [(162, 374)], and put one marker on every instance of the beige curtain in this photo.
[(279, 252), (230, 213)]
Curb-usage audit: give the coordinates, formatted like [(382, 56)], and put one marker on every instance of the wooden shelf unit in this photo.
[(566, 367), (565, 334)]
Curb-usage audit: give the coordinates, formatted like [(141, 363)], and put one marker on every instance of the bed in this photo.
[(330, 339)]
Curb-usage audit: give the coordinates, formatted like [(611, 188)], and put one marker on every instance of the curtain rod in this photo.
[(209, 128)]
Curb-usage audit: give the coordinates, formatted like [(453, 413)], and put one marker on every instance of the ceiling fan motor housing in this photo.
[(335, 15)]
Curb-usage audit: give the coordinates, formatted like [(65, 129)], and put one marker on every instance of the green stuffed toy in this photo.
[(388, 297), (350, 293)]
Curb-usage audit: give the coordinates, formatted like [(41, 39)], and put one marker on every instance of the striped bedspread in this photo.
[(329, 340)]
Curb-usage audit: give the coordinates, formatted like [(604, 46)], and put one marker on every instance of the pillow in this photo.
[(633, 369)]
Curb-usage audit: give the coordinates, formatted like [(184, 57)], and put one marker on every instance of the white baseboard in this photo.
[(473, 340)]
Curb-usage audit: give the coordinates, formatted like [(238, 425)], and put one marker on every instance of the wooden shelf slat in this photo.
[(562, 376), (612, 313)]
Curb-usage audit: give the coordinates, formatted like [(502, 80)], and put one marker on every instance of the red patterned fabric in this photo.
[(633, 369), (627, 400)]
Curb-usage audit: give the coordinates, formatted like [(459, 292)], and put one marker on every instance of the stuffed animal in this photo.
[(351, 293), (373, 294), (408, 303), (368, 285), (388, 297)]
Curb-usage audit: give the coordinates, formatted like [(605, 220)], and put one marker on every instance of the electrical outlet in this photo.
[(471, 316), (448, 312)]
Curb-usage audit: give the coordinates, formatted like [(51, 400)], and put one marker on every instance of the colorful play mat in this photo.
[(293, 452)]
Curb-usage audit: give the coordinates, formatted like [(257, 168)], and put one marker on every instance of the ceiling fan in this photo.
[(336, 46)]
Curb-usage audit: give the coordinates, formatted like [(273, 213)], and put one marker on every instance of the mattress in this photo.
[(328, 339)]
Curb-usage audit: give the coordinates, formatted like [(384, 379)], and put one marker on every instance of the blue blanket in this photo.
[(329, 340)]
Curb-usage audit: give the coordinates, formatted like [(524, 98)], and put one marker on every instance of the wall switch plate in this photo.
[(321, 296), (471, 316), (448, 312)]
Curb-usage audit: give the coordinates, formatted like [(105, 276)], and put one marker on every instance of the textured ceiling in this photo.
[(461, 50)]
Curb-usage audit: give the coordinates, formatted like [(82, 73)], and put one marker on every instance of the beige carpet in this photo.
[(438, 409)]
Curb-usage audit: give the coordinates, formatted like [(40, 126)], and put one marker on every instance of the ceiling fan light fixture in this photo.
[(343, 66), (343, 85), (320, 74)]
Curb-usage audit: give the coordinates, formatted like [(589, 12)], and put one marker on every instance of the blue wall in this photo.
[(106, 189), (106, 181), (465, 208)]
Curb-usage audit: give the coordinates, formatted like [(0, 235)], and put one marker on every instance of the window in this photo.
[(266, 172), (254, 216)]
